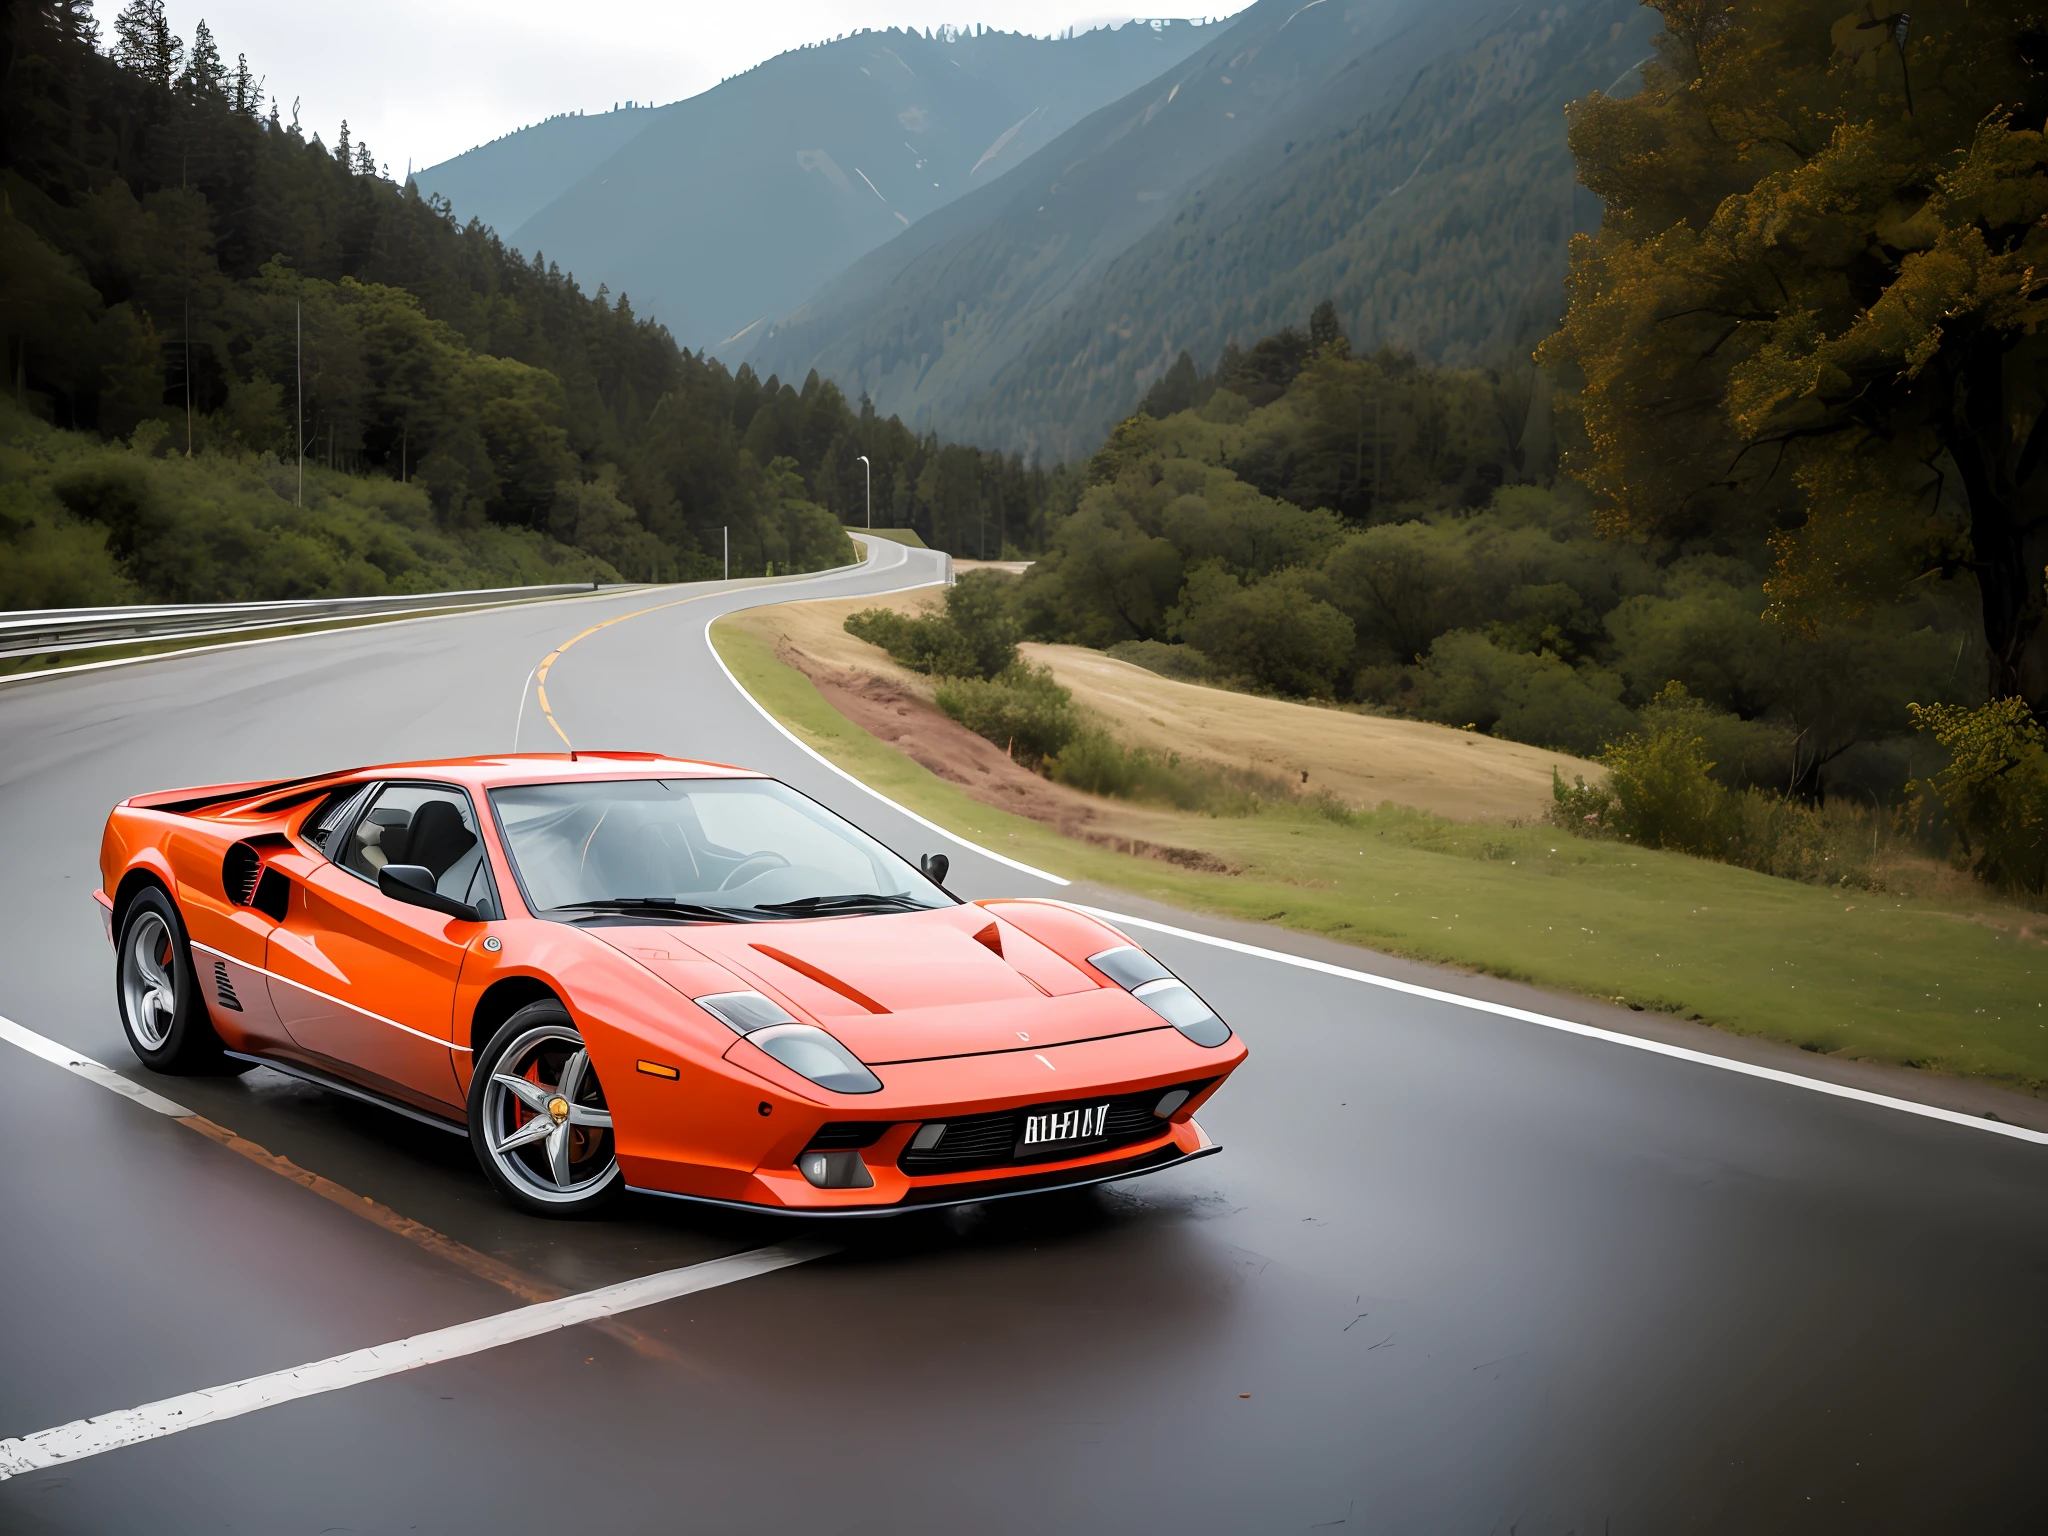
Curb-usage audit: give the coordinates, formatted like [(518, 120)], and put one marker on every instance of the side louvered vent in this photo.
[(238, 872), (223, 989)]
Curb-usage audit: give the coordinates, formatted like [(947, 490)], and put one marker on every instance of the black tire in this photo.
[(171, 1035), (570, 1170)]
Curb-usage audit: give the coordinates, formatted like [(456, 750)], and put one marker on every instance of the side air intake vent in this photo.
[(223, 989), (238, 872), (249, 883), (273, 895)]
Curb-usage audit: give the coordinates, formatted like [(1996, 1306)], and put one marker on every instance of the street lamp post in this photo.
[(870, 469)]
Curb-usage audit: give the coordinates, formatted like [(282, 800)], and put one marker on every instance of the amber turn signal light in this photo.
[(656, 1069)]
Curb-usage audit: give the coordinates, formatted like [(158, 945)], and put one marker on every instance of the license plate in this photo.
[(1065, 1125)]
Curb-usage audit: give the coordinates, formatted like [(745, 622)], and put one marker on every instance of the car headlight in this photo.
[(803, 1048), (1163, 992)]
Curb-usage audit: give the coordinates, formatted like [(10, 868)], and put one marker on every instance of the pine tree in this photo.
[(1323, 327), (341, 148), (204, 74), (145, 43), (366, 163)]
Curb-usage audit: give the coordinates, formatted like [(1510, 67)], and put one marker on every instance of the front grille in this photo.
[(990, 1141), (838, 1135)]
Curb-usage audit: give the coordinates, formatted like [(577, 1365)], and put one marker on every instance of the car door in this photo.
[(366, 985)]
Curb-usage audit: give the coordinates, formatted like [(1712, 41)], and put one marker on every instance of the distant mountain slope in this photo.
[(734, 205), (509, 180), (1405, 157)]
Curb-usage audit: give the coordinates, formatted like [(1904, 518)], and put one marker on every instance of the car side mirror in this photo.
[(933, 866), (413, 884)]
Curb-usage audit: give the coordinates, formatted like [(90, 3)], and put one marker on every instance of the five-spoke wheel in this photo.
[(537, 1115)]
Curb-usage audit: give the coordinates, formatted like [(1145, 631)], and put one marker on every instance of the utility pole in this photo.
[(864, 464), (188, 369), (299, 422)]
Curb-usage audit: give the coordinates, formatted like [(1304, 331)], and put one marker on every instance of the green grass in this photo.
[(1948, 986), (906, 536)]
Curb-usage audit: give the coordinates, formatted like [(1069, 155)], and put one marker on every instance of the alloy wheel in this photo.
[(149, 987), (545, 1123)]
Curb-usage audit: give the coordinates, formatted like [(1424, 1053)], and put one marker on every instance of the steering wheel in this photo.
[(752, 866)]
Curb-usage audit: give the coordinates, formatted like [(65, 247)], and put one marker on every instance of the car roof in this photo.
[(550, 768)]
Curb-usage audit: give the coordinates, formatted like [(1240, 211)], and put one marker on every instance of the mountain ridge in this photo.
[(1033, 334), (731, 206)]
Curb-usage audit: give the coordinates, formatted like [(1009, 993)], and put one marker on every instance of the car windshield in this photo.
[(703, 850)]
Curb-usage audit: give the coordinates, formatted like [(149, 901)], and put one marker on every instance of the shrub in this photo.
[(974, 636), (1995, 788), (1023, 711), (1099, 765), (1584, 808), (1665, 794)]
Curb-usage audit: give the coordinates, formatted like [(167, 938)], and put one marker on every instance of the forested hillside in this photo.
[(176, 260), (1407, 160), (735, 205), (1366, 529)]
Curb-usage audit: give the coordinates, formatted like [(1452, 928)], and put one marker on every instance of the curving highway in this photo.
[(1456, 1269)]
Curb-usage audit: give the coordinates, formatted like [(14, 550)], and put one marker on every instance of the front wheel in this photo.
[(162, 1012), (538, 1119)]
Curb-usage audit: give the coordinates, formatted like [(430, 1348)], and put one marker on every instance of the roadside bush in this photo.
[(1097, 764), (973, 636), (1995, 788), (1023, 711), (1665, 793)]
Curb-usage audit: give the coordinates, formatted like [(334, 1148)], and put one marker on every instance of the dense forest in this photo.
[(194, 292)]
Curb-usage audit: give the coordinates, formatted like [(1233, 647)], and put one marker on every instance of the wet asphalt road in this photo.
[(1473, 1275)]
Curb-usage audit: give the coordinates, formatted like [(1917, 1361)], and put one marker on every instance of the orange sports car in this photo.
[(615, 970)]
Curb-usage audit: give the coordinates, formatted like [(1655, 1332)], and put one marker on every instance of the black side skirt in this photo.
[(351, 1091)]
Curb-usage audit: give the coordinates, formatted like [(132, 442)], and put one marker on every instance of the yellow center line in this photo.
[(540, 676)]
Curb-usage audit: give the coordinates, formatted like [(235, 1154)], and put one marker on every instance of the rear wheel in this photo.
[(161, 1010), (538, 1118)]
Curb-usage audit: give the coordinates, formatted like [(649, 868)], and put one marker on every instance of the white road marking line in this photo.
[(152, 1421), (808, 750), (1591, 1032), (73, 1061)]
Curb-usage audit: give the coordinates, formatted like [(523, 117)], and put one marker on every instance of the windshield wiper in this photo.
[(656, 906), (866, 901)]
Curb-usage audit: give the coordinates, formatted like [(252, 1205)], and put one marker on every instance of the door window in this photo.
[(426, 824)]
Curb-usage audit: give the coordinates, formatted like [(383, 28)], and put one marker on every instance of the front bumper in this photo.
[(938, 1196)]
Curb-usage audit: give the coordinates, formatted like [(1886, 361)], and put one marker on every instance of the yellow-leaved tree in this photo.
[(1814, 306)]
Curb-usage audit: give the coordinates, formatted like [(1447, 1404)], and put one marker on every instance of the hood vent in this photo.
[(991, 938), (821, 976)]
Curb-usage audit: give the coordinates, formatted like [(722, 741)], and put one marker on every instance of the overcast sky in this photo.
[(427, 79)]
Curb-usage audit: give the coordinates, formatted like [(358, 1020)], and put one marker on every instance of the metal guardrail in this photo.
[(47, 631)]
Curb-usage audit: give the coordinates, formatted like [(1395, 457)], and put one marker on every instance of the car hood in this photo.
[(902, 986)]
